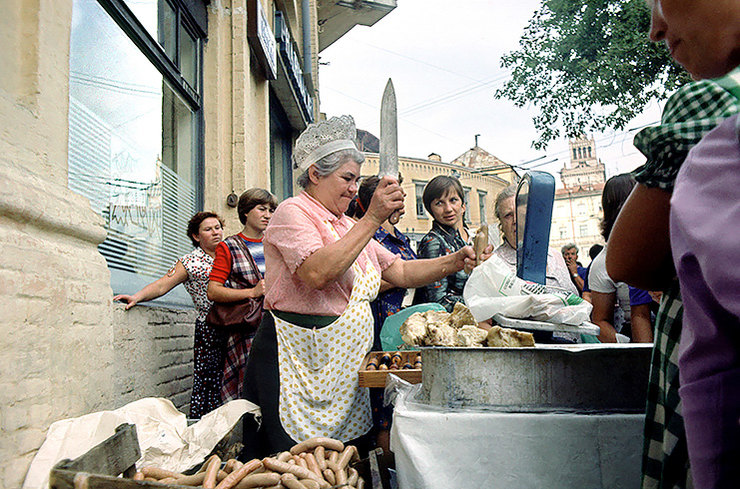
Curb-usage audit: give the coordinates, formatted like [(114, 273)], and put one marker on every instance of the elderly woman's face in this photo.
[(702, 35), (336, 190), (507, 211)]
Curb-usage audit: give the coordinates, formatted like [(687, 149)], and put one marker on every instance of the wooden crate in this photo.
[(376, 378)]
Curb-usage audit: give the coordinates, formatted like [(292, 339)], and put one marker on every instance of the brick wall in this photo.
[(153, 354)]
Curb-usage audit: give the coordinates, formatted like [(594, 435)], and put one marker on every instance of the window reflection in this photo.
[(132, 149)]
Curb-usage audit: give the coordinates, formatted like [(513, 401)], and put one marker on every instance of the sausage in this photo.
[(296, 470), (284, 456), (360, 483), (310, 484), (259, 480), (167, 480), (233, 478), (313, 465), (333, 456), (329, 476), (291, 482), (311, 443), (214, 464), (139, 476), (480, 243), (341, 476), (301, 462), (345, 457), (352, 476), (231, 465), (191, 480), (157, 473), (319, 454)]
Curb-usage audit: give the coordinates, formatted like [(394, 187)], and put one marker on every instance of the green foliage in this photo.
[(588, 65)]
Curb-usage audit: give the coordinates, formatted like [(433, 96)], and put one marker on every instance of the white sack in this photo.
[(494, 288)]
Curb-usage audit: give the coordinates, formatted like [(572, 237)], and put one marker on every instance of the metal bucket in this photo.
[(574, 378)]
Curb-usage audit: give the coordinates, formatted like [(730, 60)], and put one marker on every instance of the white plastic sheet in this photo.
[(165, 439), (440, 448), (494, 288)]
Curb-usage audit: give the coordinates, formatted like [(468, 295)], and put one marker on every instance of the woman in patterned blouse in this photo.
[(205, 230)]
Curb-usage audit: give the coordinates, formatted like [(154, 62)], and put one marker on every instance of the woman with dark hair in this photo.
[(444, 199), (390, 298), (632, 317), (238, 271), (205, 230)]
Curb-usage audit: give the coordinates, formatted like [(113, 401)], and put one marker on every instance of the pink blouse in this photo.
[(300, 226)]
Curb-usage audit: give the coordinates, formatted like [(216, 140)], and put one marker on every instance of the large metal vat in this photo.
[(574, 378)]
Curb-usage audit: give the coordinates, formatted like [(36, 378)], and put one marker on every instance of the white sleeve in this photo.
[(598, 279)]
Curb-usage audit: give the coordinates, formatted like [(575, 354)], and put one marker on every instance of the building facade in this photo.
[(480, 193), (120, 119), (577, 208)]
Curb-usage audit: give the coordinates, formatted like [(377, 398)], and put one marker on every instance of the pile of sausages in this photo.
[(388, 361), (317, 463)]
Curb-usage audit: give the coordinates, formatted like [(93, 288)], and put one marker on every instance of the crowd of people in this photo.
[(328, 266)]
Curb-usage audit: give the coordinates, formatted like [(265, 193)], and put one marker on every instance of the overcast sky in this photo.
[(444, 59)]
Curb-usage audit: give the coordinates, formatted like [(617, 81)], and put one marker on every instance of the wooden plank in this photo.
[(116, 455), (66, 479)]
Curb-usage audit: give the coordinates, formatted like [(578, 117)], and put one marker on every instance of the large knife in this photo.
[(388, 157)]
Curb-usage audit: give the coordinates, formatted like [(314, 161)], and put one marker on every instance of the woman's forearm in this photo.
[(639, 250), (217, 292), (417, 273), (327, 264)]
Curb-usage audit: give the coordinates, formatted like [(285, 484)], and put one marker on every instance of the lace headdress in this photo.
[(323, 138)]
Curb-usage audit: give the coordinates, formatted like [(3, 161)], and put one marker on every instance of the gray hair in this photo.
[(568, 246), (330, 163), (509, 191)]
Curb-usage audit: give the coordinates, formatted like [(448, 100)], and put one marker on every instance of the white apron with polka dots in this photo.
[(319, 391)]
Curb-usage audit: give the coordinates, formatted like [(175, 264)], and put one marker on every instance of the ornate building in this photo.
[(577, 208)]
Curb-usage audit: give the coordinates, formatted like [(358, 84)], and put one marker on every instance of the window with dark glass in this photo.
[(482, 206), (135, 125), (421, 213), (466, 214)]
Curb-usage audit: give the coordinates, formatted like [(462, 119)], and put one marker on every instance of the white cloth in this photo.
[(556, 274), (599, 281), (440, 449)]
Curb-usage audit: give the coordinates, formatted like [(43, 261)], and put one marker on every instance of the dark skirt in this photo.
[(208, 369), (262, 387)]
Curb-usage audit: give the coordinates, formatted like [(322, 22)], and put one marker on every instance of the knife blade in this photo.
[(388, 157)]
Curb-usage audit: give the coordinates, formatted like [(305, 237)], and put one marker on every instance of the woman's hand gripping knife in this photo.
[(387, 201)]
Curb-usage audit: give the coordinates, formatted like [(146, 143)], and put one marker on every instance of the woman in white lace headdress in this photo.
[(325, 268)]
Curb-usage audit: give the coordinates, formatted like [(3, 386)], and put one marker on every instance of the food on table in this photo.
[(439, 328), (317, 463), (470, 336), (505, 337)]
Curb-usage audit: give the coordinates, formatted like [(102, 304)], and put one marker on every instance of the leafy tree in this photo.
[(588, 65)]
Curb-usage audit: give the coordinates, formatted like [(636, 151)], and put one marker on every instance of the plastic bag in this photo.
[(493, 288)]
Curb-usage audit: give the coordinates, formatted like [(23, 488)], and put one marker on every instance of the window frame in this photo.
[(169, 69)]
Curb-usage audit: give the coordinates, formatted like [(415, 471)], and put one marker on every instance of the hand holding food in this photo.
[(480, 243)]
